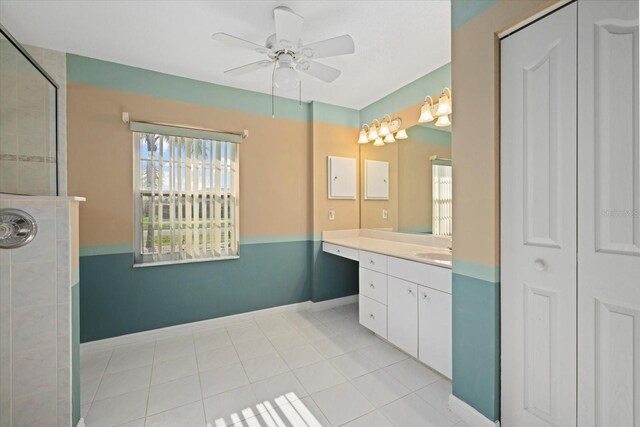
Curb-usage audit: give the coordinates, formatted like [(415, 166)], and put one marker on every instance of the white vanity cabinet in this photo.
[(402, 317), (434, 329), (405, 302)]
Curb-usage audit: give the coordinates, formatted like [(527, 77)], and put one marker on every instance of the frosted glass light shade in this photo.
[(379, 142), (443, 121), (373, 134), (363, 138), (389, 138), (402, 134), (444, 106), (384, 129), (425, 114)]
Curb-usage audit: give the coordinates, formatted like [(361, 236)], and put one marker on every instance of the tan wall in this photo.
[(371, 210), (414, 180), (275, 183), (333, 140), (475, 129)]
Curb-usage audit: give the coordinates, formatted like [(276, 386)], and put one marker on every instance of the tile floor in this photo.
[(298, 369)]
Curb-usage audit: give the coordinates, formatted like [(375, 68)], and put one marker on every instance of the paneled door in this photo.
[(608, 215), (538, 222)]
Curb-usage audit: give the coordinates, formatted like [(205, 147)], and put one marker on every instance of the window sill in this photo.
[(184, 261)]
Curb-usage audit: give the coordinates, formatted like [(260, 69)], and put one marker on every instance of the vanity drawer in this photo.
[(373, 285), (342, 251), (373, 261), (423, 274), (373, 316)]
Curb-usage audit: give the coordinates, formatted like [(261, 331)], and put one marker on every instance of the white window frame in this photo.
[(192, 253), (442, 200)]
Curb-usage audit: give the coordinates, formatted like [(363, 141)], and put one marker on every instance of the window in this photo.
[(442, 198), (186, 197)]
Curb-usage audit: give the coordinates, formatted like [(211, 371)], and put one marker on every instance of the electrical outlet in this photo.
[(385, 214), (332, 214)]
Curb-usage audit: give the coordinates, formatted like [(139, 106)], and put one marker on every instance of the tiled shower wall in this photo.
[(36, 283), (27, 156)]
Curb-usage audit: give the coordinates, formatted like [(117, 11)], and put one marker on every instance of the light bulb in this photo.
[(363, 137), (384, 129), (285, 78), (425, 113), (378, 142), (389, 138), (402, 134), (443, 121), (373, 133), (444, 104)]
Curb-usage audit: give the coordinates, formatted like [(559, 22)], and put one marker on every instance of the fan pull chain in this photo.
[(273, 73)]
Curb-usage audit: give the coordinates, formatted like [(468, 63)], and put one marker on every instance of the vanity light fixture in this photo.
[(444, 103), (402, 134), (384, 127), (363, 135), (443, 121), (430, 111), (425, 111), (373, 131), (381, 131)]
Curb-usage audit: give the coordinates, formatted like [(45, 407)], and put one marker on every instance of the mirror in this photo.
[(410, 162), (28, 139)]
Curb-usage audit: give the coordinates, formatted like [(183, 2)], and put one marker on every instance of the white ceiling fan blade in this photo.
[(248, 68), (288, 27), (238, 42), (319, 71), (341, 45)]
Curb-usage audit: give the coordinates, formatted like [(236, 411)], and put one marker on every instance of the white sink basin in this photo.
[(434, 256)]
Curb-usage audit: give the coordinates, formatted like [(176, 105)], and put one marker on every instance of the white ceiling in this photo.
[(396, 41)]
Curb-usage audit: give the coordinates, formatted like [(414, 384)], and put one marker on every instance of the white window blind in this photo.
[(442, 199), (186, 197)]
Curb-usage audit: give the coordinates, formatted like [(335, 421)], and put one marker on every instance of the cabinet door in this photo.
[(434, 329), (342, 177), (402, 305)]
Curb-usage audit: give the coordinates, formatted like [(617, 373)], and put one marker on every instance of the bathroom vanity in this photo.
[(404, 289)]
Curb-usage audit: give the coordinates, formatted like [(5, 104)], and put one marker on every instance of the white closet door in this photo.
[(609, 215), (538, 225)]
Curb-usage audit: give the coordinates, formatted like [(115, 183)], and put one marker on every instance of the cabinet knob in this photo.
[(426, 297), (371, 261), (372, 316), (410, 291), (540, 265), (371, 285), (338, 251)]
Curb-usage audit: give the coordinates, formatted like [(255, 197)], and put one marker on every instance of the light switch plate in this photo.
[(332, 214), (385, 214)]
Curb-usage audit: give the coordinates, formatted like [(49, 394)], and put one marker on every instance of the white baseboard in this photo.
[(171, 331), (469, 415), (332, 303)]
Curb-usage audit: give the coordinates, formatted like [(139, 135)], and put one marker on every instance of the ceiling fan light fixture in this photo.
[(402, 134), (285, 78)]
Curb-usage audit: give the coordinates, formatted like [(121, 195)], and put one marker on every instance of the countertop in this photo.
[(396, 246)]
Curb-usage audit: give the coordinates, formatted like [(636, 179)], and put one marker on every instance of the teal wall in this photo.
[(476, 344), (118, 299), (333, 276), (408, 95), (463, 11)]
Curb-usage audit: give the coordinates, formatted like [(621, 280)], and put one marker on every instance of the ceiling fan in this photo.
[(287, 52)]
